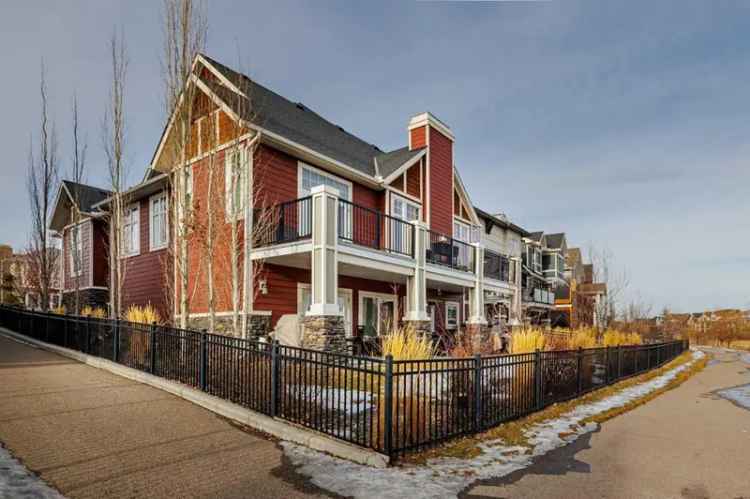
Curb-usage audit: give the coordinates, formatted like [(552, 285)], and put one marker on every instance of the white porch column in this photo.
[(416, 285), (476, 294), (324, 273)]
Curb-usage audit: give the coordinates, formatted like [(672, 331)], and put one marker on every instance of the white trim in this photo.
[(244, 168), (91, 251), (151, 235), (463, 192), (428, 119), (404, 194)]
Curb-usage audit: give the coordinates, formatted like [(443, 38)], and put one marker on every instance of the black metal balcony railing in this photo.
[(449, 252), (284, 222), (373, 229), (496, 266)]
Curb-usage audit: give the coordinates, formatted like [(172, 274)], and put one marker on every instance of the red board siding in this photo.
[(281, 298), (418, 137), (368, 198), (275, 176), (145, 274), (413, 179), (441, 183), (101, 254)]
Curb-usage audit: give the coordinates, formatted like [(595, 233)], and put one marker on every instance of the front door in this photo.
[(377, 314)]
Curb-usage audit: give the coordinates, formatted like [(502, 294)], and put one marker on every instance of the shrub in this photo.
[(61, 310), (527, 340), (96, 313), (142, 315), (405, 344), (614, 338), (582, 338)]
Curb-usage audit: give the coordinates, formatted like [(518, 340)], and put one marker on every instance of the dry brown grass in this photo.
[(513, 433), (741, 344)]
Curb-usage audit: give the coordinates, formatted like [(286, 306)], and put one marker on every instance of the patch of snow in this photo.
[(740, 395), (18, 482), (447, 477), (353, 401)]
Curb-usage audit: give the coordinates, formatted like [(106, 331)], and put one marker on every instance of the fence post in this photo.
[(388, 424), (274, 378), (537, 379), (477, 392), (115, 339), (88, 335), (636, 351), (204, 361), (579, 370), (46, 328), (658, 354), (619, 361), (606, 365), (152, 350), (65, 332)]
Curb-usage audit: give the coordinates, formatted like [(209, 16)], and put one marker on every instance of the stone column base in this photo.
[(480, 336), (258, 325), (325, 333)]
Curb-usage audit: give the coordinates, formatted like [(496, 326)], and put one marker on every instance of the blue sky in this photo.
[(623, 124)]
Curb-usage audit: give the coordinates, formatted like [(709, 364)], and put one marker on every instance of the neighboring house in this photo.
[(361, 239), (574, 302), (83, 232), (19, 283), (538, 297), (503, 243)]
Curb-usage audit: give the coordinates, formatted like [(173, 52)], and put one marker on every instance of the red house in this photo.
[(344, 238)]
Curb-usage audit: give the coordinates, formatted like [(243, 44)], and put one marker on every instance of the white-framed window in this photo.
[(404, 209), (408, 211), (75, 251), (465, 232), (377, 312), (451, 314), (131, 233), (158, 233), (235, 171), (312, 177)]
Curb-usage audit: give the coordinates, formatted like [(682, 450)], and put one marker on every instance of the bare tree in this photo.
[(185, 30), (41, 181), (78, 164), (113, 135), (616, 281)]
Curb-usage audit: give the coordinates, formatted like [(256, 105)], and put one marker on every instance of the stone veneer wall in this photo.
[(258, 325), (326, 333)]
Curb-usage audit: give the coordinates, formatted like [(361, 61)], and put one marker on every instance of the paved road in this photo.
[(92, 434), (687, 443)]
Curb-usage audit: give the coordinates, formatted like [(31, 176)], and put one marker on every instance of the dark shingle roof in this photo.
[(555, 241), (502, 223), (294, 121), (536, 236), (389, 162), (85, 195)]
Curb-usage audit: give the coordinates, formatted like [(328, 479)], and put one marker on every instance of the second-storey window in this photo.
[(131, 233), (465, 232), (158, 230), (75, 249), (235, 169)]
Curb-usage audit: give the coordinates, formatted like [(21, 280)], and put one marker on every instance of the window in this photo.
[(75, 249), (235, 170), (158, 226), (131, 231), (400, 233), (377, 313), (312, 177), (465, 232), (451, 315), (404, 209)]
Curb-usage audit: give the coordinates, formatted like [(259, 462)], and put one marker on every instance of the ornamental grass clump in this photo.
[(146, 314), (96, 313), (527, 340), (61, 310), (410, 385), (614, 338), (582, 338)]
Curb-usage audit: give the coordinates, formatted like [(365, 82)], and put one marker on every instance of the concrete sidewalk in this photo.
[(93, 434), (686, 443)]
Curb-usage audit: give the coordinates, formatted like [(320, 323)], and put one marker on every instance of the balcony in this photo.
[(363, 227), (538, 296), (496, 266)]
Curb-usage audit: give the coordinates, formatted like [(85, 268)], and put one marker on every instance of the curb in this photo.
[(275, 427)]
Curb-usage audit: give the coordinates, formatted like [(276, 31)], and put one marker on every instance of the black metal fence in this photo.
[(390, 406), (496, 266), (284, 222), (449, 252)]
